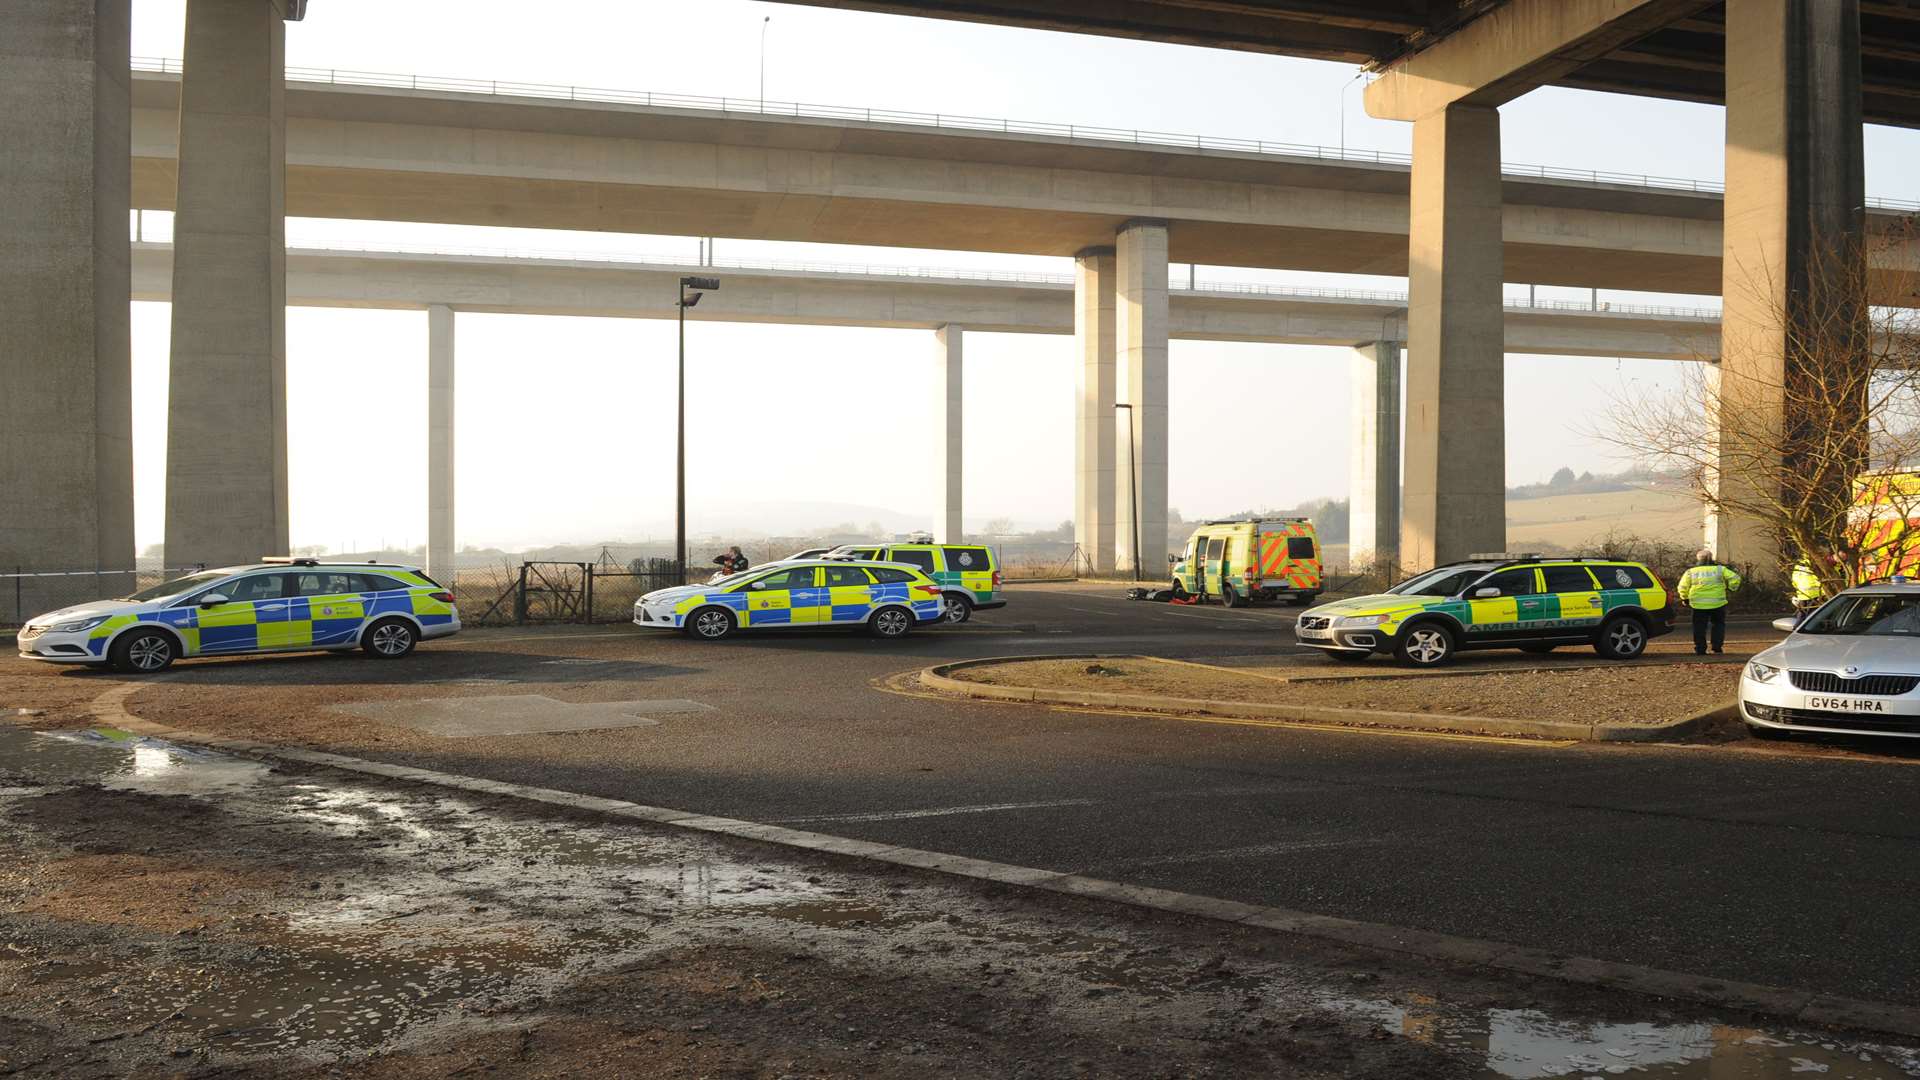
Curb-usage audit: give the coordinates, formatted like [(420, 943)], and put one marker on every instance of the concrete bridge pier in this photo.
[(1374, 477), (948, 471), (1093, 431), (66, 414), (226, 410), (1455, 495), (1140, 330), (440, 443), (1794, 235)]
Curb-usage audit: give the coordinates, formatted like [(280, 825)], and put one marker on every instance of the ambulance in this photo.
[(1238, 562)]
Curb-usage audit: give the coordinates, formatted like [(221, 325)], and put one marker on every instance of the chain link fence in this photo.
[(25, 594)]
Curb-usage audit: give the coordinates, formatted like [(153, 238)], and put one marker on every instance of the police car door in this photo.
[(770, 599), (849, 594), (233, 626), (333, 606)]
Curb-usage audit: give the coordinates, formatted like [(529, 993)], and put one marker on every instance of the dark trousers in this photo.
[(1709, 617)]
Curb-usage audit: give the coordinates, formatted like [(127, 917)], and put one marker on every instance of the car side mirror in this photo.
[(1482, 594), (212, 598), (1172, 559), (1786, 625)]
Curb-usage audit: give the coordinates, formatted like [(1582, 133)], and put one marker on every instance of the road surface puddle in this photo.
[(159, 902), (1522, 1043)]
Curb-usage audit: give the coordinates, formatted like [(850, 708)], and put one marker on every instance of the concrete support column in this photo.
[(1093, 430), (1793, 239), (1454, 500), (440, 443), (1374, 484), (66, 417), (948, 382), (1140, 326), (226, 414)]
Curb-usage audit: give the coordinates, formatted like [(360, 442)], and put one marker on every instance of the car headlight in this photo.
[(78, 625), (1760, 672), (1350, 621)]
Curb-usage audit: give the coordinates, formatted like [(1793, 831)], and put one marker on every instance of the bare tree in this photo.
[(1786, 436)]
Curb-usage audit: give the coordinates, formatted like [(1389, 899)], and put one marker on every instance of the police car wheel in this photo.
[(955, 609), (389, 639), (1425, 645), (143, 652), (1621, 638), (890, 622), (711, 624)]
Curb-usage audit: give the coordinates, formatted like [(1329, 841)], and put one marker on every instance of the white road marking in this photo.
[(1252, 850), (941, 811)]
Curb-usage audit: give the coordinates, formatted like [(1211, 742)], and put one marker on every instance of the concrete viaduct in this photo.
[(1372, 324), (232, 148)]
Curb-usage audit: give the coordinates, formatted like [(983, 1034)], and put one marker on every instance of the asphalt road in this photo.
[(1740, 862)]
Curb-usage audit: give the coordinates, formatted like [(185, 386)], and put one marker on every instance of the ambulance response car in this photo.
[(1497, 601), (1256, 559), (968, 574), (884, 599), (277, 605)]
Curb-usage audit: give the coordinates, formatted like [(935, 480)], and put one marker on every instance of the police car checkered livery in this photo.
[(273, 606), (885, 599)]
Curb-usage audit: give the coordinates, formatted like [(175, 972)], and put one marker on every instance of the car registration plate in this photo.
[(1846, 704), (1315, 635)]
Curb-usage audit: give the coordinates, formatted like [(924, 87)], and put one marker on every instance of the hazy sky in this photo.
[(552, 446)]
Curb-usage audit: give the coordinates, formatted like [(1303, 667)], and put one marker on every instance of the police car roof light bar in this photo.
[(1504, 556), (288, 560)]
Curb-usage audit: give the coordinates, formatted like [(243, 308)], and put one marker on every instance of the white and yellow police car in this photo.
[(279, 605), (882, 598)]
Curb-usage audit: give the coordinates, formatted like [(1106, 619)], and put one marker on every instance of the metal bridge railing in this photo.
[(868, 115)]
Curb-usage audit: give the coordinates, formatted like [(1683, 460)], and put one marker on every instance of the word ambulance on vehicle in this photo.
[(1239, 562)]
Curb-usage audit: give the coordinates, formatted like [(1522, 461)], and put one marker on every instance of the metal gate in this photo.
[(553, 592)]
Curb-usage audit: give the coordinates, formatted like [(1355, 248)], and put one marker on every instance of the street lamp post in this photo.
[(763, 61), (1133, 488), (700, 286)]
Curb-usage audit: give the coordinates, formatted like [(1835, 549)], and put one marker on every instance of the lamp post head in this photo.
[(708, 283)]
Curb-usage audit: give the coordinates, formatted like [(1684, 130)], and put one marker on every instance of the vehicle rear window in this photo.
[(1299, 547), (1567, 579), (922, 559), (887, 575), (380, 583), (968, 558), (1625, 577)]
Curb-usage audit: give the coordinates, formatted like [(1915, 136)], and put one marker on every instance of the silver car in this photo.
[(1852, 667)]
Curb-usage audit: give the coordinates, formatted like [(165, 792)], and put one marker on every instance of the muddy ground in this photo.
[(170, 912), (1650, 693)]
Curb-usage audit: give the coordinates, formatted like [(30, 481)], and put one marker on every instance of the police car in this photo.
[(1852, 667), (884, 599), (1497, 601), (278, 605)]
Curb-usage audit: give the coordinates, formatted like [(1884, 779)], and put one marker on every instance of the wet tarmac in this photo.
[(388, 916)]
